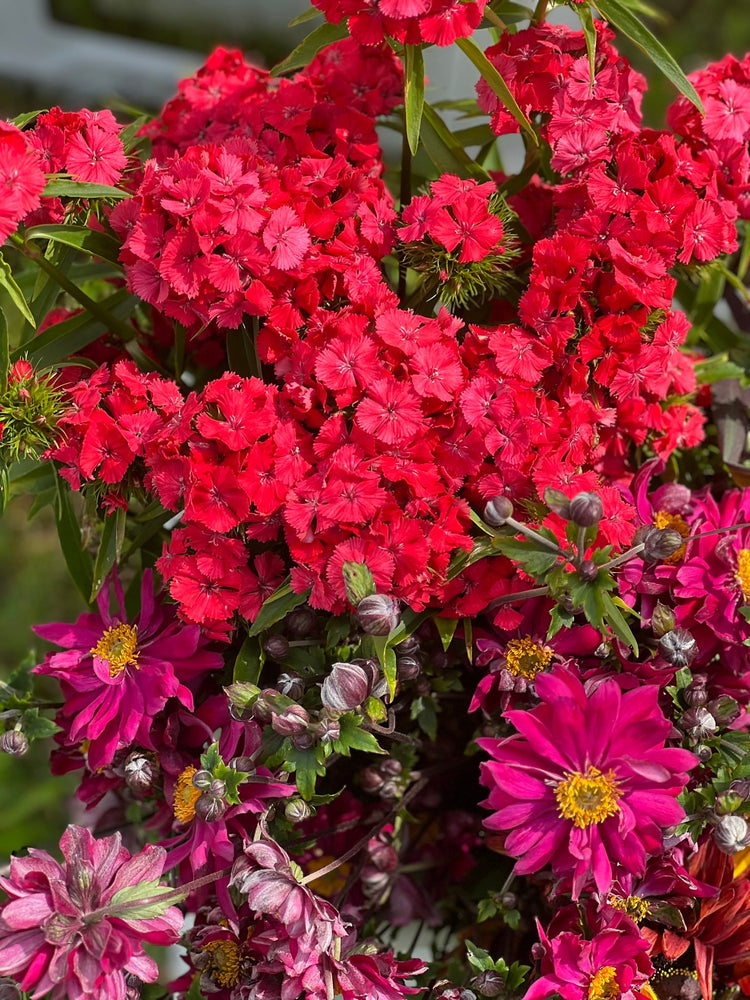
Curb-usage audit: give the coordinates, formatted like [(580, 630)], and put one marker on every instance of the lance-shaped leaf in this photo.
[(618, 14), (310, 46), (445, 150), (88, 240), (497, 84), (8, 282), (413, 94)]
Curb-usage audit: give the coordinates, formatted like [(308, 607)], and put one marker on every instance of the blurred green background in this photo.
[(34, 586)]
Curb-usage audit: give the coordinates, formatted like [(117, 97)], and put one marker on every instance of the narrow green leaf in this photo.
[(8, 282), (88, 240), (60, 187), (468, 638), (249, 662), (618, 624), (106, 556), (4, 352), (274, 609), (445, 151), (76, 558), (413, 94), (129, 136), (21, 120), (387, 659), (64, 339), (618, 14), (304, 17), (309, 47), (446, 629), (589, 33), (497, 84)]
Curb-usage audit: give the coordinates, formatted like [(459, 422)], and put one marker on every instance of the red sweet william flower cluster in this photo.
[(85, 143), (330, 106), (720, 137), (22, 179), (217, 233), (410, 22)]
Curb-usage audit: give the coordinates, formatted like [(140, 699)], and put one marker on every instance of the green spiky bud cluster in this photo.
[(30, 407)]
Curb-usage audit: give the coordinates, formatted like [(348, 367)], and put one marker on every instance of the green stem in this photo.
[(113, 324), (404, 198), (540, 12), (494, 19), (414, 790), (535, 536), (519, 595)]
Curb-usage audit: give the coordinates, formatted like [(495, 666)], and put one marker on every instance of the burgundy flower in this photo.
[(67, 928), (588, 782), (117, 676)]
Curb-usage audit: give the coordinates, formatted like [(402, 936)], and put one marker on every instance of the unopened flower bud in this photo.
[(696, 693), (9, 989), (328, 730), (209, 808), (244, 763), (217, 788), (724, 709), (741, 787), (703, 752), (202, 780), (302, 741), (698, 723), (509, 900), (660, 543), (449, 991), (263, 709), (297, 810), (489, 983), (391, 767), (390, 791), (378, 614), (588, 571), (731, 834), (409, 646), (14, 743), (276, 646), (497, 511), (602, 651), (291, 685), (586, 509), (141, 773), (301, 622), (408, 667), (345, 688), (662, 620), (678, 647), (371, 780), (291, 722)]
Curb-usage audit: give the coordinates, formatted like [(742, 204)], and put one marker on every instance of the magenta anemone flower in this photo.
[(588, 783), (612, 964), (66, 928), (116, 676)]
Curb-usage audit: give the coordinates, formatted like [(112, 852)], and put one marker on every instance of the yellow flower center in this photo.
[(119, 647), (634, 906), (742, 576), (185, 796), (526, 657), (589, 797), (678, 524), (333, 882), (603, 985), (224, 962)]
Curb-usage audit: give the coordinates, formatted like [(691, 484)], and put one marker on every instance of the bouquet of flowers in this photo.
[(411, 508)]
